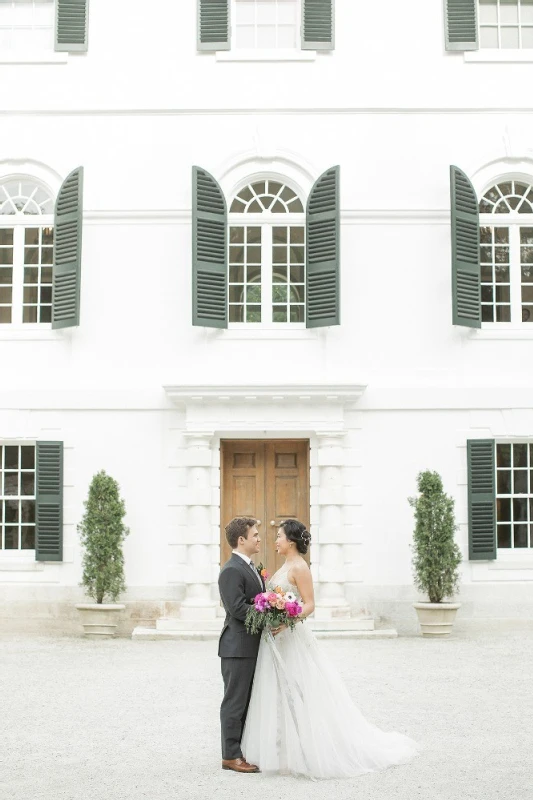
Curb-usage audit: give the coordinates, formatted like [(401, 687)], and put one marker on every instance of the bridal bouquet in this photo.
[(271, 609)]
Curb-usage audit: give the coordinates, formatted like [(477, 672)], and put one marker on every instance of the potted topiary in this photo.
[(436, 556), (102, 532)]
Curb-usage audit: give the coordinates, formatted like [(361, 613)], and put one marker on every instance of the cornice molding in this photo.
[(304, 393)]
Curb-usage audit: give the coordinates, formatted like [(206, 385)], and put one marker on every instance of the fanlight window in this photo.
[(506, 252), (267, 196), (26, 252), (267, 255), (22, 197)]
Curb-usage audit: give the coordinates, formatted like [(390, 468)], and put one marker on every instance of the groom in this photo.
[(238, 582)]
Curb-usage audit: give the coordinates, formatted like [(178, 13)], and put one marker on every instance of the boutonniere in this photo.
[(262, 571)]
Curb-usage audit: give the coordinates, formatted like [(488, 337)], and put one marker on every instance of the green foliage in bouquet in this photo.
[(102, 532), (436, 556)]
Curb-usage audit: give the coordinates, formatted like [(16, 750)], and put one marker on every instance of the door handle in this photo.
[(273, 523)]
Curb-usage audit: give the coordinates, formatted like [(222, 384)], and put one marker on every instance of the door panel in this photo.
[(267, 480)]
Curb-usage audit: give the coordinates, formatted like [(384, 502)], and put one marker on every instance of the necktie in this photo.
[(252, 567)]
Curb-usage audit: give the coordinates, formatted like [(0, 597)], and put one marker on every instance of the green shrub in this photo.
[(102, 533), (436, 556)]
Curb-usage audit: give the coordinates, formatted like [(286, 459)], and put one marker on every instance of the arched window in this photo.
[(506, 252), (26, 251), (267, 255)]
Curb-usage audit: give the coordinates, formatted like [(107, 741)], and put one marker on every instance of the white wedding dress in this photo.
[(301, 719)]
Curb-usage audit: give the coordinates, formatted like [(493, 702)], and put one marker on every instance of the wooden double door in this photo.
[(268, 480)]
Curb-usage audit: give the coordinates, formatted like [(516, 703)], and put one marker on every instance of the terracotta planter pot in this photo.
[(100, 620), (436, 619)]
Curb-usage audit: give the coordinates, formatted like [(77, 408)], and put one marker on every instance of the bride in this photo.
[(301, 719)]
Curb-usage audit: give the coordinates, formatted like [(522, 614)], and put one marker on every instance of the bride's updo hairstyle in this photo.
[(296, 532)]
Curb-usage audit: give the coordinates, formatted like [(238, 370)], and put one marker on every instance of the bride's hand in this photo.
[(277, 630)]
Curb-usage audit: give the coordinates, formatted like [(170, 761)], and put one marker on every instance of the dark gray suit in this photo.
[(237, 650)]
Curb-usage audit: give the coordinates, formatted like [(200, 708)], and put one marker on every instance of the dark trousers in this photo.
[(238, 676)]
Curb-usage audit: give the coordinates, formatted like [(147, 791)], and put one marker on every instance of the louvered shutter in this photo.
[(323, 251), (318, 24), (49, 502), (67, 252), (481, 500), (210, 251), (466, 272), (72, 25), (460, 20), (213, 25)]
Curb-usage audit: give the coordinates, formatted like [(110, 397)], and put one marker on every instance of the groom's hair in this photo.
[(238, 527)]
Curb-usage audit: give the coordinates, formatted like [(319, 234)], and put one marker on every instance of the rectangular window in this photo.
[(506, 24), (266, 24), (514, 495), (26, 265), (526, 269), (17, 497), (288, 273), (495, 274), (245, 273), (6, 274), (26, 25)]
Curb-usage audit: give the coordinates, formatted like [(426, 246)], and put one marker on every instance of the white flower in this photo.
[(290, 597)]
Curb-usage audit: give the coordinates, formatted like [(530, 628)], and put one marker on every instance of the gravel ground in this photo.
[(123, 720)]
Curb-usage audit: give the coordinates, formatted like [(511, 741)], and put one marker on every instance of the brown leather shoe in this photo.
[(238, 765)]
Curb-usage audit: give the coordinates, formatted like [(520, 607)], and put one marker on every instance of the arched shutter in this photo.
[(481, 499), (49, 502), (67, 252), (461, 24), (213, 25), (72, 25), (323, 251), (318, 25), (209, 251), (466, 272)]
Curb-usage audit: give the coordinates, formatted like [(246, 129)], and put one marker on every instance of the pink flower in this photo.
[(293, 609), (272, 598), (280, 604)]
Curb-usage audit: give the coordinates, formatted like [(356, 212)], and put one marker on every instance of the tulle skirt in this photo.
[(301, 719)]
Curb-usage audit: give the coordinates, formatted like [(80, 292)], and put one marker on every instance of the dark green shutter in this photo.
[(481, 500), (49, 502), (323, 251), (209, 252), (318, 25), (72, 25), (67, 252), (466, 272), (213, 25), (460, 21)]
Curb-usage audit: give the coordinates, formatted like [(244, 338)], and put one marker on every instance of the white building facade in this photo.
[(262, 296)]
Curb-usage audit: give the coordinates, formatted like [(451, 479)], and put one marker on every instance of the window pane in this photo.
[(488, 38), (253, 274), (519, 509), (527, 313), (253, 314), (508, 11), (527, 38), (45, 314), (504, 481), (509, 38), (520, 455), (503, 509), (11, 537), (488, 11), (6, 294), (27, 480), (27, 537), (236, 274), (27, 457), (6, 236), (11, 457), (11, 511), (503, 314), (279, 313), (5, 315), (504, 535), (526, 11), (266, 37), (297, 313), (29, 314), (27, 511), (253, 293), (236, 294), (253, 235), (245, 41), (520, 481), (236, 313), (520, 535), (6, 255), (503, 455)]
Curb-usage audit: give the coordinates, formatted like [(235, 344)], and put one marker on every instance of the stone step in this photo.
[(153, 634), (177, 624)]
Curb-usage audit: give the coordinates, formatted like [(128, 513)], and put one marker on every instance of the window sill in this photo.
[(30, 333), (502, 333), (499, 56), (34, 58), (233, 334), (512, 565), (16, 563), (266, 55)]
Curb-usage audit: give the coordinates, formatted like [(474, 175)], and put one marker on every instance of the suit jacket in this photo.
[(238, 586)]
